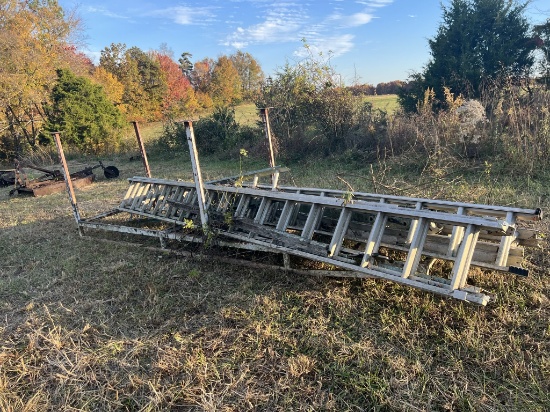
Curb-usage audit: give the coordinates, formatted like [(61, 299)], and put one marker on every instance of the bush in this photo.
[(218, 133), (84, 115)]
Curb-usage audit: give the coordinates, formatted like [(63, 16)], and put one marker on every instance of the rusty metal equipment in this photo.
[(422, 243), (52, 181), (7, 177)]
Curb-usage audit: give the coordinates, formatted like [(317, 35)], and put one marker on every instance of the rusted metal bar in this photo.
[(197, 173), (68, 181), (142, 149)]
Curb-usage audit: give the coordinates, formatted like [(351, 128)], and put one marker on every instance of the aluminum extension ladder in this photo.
[(423, 243), (395, 238)]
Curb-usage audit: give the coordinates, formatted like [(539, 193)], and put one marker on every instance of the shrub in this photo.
[(83, 113), (218, 133)]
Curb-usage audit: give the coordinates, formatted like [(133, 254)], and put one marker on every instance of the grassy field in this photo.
[(89, 325), (386, 102)]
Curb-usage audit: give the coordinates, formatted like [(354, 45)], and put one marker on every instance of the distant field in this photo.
[(386, 102), (247, 114)]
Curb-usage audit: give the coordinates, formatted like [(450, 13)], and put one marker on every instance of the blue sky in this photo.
[(371, 41)]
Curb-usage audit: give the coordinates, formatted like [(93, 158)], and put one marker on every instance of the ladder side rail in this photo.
[(444, 205)]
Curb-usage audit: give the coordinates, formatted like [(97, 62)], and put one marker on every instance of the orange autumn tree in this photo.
[(226, 84), (35, 40), (179, 99)]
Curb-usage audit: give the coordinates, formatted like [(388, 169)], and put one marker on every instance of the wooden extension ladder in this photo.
[(426, 244)]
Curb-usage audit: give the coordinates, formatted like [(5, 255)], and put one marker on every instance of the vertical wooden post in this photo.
[(201, 197), (68, 181), (265, 118), (142, 149)]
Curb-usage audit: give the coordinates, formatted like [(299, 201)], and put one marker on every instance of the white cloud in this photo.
[(353, 20), (185, 15), (103, 11), (332, 45), (281, 23), (375, 3), (287, 21)]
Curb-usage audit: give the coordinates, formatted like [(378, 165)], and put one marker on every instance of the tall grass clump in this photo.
[(508, 128)]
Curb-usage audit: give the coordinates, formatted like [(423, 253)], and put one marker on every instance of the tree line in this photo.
[(47, 84), (483, 49)]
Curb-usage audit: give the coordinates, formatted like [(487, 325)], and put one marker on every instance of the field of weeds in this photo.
[(88, 325)]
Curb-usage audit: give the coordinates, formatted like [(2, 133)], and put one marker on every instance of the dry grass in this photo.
[(88, 325)]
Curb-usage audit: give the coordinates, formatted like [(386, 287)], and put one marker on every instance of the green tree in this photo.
[(145, 84), (542, 33), (310, 107), (185, 64), (82, 111), (478, 44), (142, 77)]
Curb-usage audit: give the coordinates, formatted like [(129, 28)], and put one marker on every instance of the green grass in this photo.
[(386, 102), (92, 325), (247, 114)]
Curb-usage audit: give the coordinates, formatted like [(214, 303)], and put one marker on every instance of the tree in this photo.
[(186, 66), (309, 105), (114, 89), (201, 75), (81, 110), (480, 42), (250, 72), (113, 59), (542, 33), (35, 39), (179, 97), (140, 73), (225, 87)]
